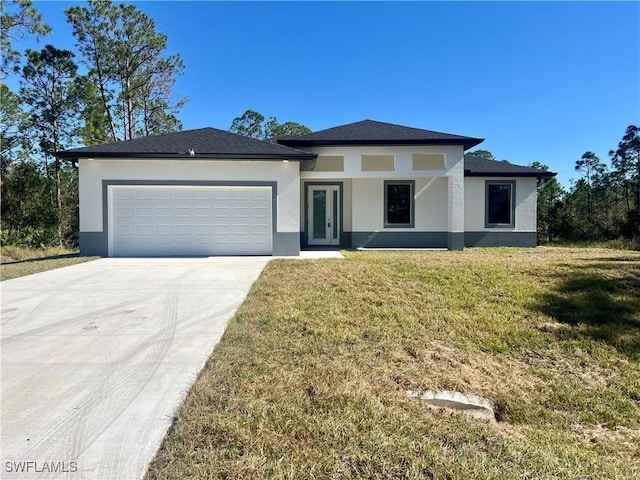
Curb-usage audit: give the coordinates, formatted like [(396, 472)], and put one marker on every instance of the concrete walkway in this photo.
[(96, 357)]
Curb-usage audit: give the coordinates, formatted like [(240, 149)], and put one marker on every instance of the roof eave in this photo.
[(74, 156), (466, 143), (541, 174)]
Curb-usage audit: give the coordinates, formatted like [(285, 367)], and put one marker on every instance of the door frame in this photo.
[(306, 231)]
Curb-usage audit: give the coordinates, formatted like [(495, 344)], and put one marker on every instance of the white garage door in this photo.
[(189, 220)]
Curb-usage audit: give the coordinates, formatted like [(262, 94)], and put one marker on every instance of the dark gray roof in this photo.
[(205, 142), (371, 132), (483, 167)]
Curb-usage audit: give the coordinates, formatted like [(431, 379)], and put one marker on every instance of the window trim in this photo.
[(412, 188), (512, 184)]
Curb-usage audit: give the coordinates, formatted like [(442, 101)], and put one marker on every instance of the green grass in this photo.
[(310, 378), (618, 244), (20, 261)]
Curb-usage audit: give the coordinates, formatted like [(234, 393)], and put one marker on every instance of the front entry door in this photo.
[(323, 226)]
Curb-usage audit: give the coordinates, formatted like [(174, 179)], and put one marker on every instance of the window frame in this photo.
[(412, 189), (512, 185)]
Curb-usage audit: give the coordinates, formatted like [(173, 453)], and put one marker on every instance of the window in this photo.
[(499, 204), (398, 203)]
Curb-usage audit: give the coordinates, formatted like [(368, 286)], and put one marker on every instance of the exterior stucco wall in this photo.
[(430, 197), (438, 195), (285, 175), (525, 205)]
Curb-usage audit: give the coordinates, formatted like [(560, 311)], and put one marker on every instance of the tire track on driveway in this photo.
[(50, 328), (106, 382), (34, 312), (161, 344), (85, 422)]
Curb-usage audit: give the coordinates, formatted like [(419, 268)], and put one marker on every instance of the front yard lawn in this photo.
[(20, 261), (310, 378)]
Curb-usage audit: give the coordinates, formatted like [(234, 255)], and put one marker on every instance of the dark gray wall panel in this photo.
[(94, 243), (286, 244), (500, 239), (456, 241), (396, 239)]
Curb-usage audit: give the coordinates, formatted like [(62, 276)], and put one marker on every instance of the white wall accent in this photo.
[(93, 171), (474, 208), (456, 198), (368, 204), (430, 205)]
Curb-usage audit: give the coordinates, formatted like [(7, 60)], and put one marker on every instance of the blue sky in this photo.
[(540, 81)]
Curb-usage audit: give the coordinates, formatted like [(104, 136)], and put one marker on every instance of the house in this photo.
[(367, 184)]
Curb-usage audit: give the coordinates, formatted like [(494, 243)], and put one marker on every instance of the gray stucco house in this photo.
[(367, 184)]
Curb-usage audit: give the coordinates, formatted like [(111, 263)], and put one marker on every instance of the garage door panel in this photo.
[(124, 230), (259, 195), (202, 229), (163, 229), (241, 212), (183, 196), (163, 212), (221, 195), (186, 220), (123, 212), (182, 212), (205, 195), (259, 212), (141, 229), (183, 230), (240, 195), (143, 194), (202, 212), (163, 195), (221, 212), (144, 212), (140, 244), (124, 194), (222, 229), (259, 230), (240, 229)]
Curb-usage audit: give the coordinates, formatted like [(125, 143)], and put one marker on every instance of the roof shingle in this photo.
[(371, 132), (483, 167), (220, 144), (205, 142)]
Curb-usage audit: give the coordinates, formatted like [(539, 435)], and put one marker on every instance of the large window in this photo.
[(499, 204), (398, 203)]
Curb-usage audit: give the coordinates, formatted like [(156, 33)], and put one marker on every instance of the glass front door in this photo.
[(323, 226)]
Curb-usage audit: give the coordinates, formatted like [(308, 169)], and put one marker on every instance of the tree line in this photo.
[(119, 85), (603, 204), (126, 91)]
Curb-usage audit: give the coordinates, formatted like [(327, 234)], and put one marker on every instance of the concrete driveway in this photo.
[(96, 357)]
